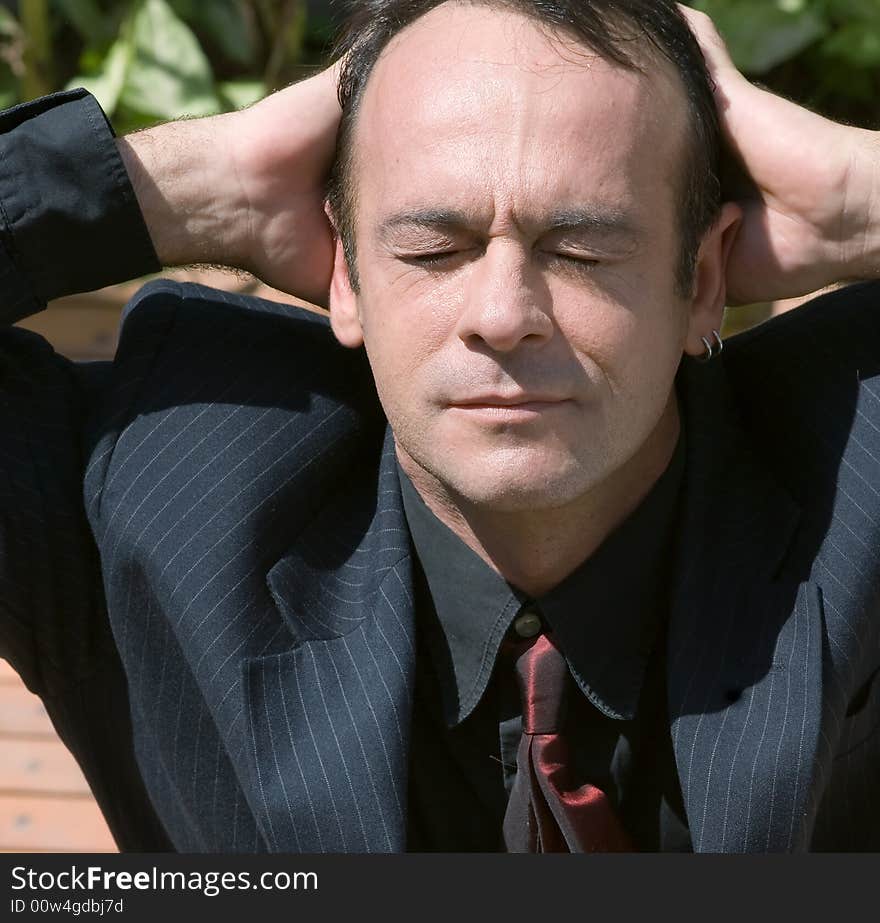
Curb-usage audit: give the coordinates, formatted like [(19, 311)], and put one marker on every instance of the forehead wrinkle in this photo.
[(585, 220)]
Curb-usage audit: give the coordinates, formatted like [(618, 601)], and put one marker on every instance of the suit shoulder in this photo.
[(190, 351), (186, 303), (835, 334), (807, 386), (170, 327)]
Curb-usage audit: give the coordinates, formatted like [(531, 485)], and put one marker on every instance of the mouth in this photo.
[(517, 399), (509, 408)]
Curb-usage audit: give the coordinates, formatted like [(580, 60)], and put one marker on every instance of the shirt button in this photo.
[(528, 624)]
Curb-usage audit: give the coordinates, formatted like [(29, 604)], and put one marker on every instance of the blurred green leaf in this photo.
[(855, 44), (289, 31), (9, 90), (154, 70), (296, 31), (857, 85), (762, 33), (868, 11), (168, 75), (106, 84), (8, 23), (226, 23), (87, 18), (185, 9), (236, 94)]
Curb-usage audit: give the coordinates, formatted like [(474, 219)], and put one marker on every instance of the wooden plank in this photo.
[(45, 803), (22, 713), (44, 766), (52, 824), (79, 329)]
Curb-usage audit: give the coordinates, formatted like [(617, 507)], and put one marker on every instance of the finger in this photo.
[(735, 97), (718, 59)]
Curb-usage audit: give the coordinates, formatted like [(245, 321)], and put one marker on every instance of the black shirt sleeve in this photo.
[(69, 219)]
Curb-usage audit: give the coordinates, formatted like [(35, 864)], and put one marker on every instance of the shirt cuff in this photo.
[(69, 219)]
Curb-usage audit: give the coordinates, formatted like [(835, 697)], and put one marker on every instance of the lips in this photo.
[(507, 400), (508, 409)]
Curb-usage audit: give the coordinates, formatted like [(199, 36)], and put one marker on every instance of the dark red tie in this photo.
[(546, 812)]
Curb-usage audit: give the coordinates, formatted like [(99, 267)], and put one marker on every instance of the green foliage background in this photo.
[(152, 60), (823, 53), (149, 60)]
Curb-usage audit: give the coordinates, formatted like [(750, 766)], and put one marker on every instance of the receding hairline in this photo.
[(559, 37)]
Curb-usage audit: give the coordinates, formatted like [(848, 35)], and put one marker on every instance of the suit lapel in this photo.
[(329, 718), (745, 641)]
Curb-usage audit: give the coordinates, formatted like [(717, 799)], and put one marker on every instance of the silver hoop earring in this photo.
[(712, 351)]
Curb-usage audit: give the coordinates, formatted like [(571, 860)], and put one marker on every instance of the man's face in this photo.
[(517, 238)]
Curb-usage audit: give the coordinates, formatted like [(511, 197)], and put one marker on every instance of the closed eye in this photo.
[(575, 259), (439, 259), (431, 258), (435, 259)]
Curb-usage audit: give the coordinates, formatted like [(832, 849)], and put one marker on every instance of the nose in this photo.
[(504, 306)]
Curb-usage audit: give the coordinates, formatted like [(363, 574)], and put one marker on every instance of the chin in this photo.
[(516, 485)]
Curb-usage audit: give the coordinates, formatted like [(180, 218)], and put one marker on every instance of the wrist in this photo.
[(184, 189), (862, 255)]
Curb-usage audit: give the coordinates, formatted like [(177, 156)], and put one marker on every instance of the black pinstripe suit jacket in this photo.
[(251, 688)]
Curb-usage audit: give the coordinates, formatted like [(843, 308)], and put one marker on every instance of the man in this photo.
[(279, 671)]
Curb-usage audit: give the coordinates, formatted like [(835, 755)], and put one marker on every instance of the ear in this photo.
[(706, 306), (344, 314)]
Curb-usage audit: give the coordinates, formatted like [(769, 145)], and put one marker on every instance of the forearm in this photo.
[(187, 191)]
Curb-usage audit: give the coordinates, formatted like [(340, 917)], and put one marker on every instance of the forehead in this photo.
[(473, 103)]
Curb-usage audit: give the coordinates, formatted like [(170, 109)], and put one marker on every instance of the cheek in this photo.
[(408, 312), (403, 302), (635, 344), (404, 339)]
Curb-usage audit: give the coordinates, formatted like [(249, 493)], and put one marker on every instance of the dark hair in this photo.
[(614, 29)]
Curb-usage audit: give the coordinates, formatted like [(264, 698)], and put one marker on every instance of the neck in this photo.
[(534, 550)]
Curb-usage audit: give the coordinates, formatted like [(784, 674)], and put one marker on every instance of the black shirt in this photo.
[(609, 617)]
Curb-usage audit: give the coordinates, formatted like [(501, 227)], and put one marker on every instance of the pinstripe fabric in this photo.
[(776, 629), (329, 718), (241, 487), (743, 648), (197, 486)]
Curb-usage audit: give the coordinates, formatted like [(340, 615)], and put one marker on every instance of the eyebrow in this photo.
[(594, 221), (583, 221), (429, 219)]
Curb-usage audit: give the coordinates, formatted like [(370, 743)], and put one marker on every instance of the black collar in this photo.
[(605, 614)]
